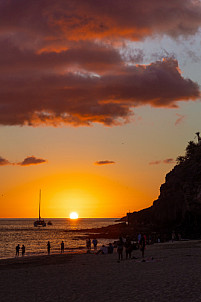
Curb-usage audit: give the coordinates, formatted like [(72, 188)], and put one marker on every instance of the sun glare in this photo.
[(73, 215)]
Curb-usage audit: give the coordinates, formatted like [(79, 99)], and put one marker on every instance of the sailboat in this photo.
[(40, 222)]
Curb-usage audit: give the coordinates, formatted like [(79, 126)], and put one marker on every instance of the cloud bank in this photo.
[(92, 19), (61, 63), (81, 99)]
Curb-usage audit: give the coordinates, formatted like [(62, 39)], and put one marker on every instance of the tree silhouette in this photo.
[(191, 152), (191, 149)]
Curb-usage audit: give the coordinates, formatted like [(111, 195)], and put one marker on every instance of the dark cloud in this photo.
[(104, 162), (32, 160), (4, 162), (164, 161), (62, 62), (77, 98), (52, 20), (83, 55)]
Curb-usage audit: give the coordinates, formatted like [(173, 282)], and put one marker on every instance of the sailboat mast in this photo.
[(39, 203)]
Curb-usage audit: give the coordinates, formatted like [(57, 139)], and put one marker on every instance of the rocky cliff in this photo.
[(178, 206)]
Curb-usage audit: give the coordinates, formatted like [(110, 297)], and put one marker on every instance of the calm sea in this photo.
[(22, 231)]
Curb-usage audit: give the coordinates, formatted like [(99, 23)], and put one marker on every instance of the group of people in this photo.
[(120, 248), (49, 247), (121, 244), (18, 250), (103, 249), (88, 244)]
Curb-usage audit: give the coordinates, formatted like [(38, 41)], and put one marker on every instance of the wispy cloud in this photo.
[(104, 162), (32, 160), (164, 161), (169, 161), (156, 162), (180, 119)]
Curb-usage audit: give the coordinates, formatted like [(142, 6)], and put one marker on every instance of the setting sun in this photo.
[(73, 215)]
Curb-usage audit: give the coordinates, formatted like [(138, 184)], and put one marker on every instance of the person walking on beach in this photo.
[(95, 242), (17, 250), (23, 250), (62, 247), (128, 247), (88, 244), (48, 247), (142, 245), (120, 246)]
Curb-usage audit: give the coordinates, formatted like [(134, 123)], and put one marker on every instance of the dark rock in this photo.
[(178, 206)]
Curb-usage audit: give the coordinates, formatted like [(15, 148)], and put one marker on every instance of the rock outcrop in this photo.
[(178, 206)]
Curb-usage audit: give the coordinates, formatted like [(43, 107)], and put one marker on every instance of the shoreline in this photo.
[(58, 258), (28, 261), (44, 259), (170, 272)]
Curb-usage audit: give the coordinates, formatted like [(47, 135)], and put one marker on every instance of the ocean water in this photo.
[(22, 231)]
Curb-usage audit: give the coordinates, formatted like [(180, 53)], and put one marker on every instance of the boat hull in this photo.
[(39, 223)]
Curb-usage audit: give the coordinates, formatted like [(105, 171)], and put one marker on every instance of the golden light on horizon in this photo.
[(93, 195), (73, 215)]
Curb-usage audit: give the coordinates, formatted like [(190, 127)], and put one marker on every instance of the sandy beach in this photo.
[(174, 274)]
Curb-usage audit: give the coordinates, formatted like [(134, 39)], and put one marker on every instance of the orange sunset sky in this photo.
[(97, 100)]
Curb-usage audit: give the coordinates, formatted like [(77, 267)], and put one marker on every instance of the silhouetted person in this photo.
[(23, 250), (17, 250), (128, 247), (110, 248), (95, 242), (88, 244), (48, 247), (120, 246), (62, 247), (142, 245)]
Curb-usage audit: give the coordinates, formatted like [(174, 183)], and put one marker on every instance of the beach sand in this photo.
[(174, 274)]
